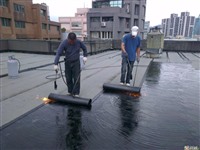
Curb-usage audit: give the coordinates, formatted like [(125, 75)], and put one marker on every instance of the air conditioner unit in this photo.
[(103, 24)]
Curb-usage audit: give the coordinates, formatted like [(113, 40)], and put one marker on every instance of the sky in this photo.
[(156, 10)]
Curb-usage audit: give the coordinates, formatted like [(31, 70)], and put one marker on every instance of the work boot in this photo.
[(69, 94), (127, 84), (76, 95)]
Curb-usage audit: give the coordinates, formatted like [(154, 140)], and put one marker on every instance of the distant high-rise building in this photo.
[(196, 31), (186, 25), (178, 26), (77, 24), (173, 27), (146, 28), (165, 26)]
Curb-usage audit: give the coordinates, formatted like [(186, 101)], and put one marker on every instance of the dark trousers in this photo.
[(126, 70), (72, 74)]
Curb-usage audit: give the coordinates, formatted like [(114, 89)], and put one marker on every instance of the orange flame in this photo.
[(46, 100), (135, 94)]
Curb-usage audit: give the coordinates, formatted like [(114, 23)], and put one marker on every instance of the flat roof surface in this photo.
[(25, 92), (170, 88)]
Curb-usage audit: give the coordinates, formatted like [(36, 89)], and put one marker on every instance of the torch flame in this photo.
[(135, 94), (46, 100)]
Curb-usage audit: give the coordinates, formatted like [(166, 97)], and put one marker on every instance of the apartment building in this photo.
[(111, 19), (196, 31), (179, 27), (146, 28), (77, 24), (165, 26), (174, 23), (25, 20)]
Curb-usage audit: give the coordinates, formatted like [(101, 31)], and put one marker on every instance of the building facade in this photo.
[(165, 27), (196, 31), (178, 27), (111, 19), (77, 24), (25, 20), (146, 28)]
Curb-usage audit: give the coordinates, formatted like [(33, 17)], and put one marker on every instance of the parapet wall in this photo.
[(95, 46), (188, 46)]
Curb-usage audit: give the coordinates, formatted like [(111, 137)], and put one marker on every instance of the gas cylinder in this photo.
[(13, 67), (82, 62)]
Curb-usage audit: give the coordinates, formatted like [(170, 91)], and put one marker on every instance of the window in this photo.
[(116, 3), (110, 35), (19, 8), (192, 20), (144, 10), (105, 19), (127, 23), (44, 26), (143, 23), (137, 9), (95, 19), (49, 27), (99, 4), (58, 28), (106, 35), (43, 12), (128, 8), (95, 34), (19, 24), (6, 22), (136, 22), (111, 3), (76, 24), (78, 33), (4, 3)]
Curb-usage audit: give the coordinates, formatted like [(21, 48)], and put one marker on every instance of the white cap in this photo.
[(134, 30)]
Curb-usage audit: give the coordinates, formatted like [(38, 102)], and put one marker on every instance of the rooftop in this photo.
[(20, 97)]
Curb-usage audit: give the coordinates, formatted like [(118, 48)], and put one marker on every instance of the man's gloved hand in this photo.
[(84, 59), (138, 59), (126, 54), (56, 68)]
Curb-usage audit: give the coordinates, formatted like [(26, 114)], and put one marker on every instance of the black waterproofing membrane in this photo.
[(108, 87), (70, 99), (165, 116)]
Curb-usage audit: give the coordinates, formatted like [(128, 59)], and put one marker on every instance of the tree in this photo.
[(63, 30)]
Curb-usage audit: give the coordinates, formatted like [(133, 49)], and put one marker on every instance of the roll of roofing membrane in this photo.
[(117, 88), (70, 99)]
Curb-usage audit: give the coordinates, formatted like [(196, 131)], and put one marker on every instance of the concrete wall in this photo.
[(28, 45), (50, 47), (116, 44), (3, 45), (182, 46)]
